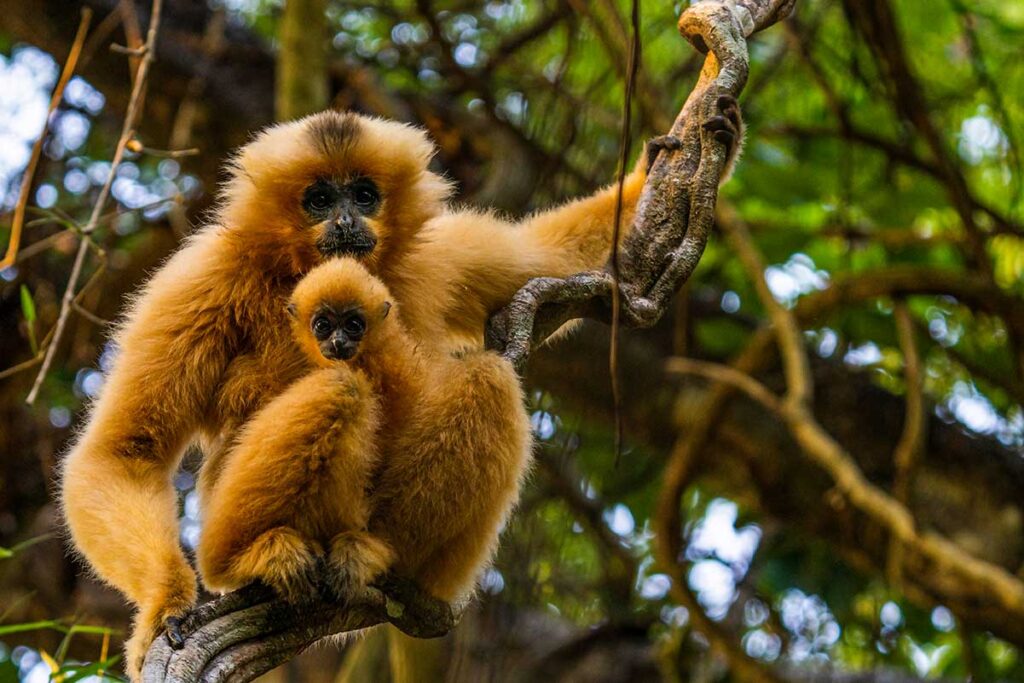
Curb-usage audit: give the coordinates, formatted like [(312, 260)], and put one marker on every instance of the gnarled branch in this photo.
[(244, 634), (676, 209)]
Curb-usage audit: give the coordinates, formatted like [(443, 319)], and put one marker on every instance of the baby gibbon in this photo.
[(206, 342), (296, 484)]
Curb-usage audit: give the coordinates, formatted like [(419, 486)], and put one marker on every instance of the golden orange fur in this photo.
[(206, 344), (451, 423), (295, 485)]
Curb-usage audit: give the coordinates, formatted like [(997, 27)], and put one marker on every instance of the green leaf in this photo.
[(28, 309), (76, 672)]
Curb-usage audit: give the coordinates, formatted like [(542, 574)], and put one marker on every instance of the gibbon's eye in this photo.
[(318, 198), (322, 327), (355, 325), (365, 195)]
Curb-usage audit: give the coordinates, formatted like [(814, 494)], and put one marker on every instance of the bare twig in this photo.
[(11, 257), (915, 422), (127, 134), (667, 521)]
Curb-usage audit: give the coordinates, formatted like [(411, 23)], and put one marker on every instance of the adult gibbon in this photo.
[(299, 484), (207, 341)]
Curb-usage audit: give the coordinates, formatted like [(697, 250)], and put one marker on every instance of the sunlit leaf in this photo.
[(28, 309)]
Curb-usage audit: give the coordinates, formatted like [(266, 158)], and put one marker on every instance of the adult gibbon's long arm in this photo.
[(476, 261), (116, 487)]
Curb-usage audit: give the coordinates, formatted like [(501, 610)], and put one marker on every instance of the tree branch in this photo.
[(244, 634), (676, 208)]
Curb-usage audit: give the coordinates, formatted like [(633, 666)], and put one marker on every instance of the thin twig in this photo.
[(798, 371), (127, 133), (915, 421), (667, 522), (10, 258)]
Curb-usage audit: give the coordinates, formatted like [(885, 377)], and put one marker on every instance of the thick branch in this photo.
[(246, 633)]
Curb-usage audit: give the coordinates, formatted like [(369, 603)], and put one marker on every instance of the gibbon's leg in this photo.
[(357, 558), (116, 489), (283, 472), (453, 478)]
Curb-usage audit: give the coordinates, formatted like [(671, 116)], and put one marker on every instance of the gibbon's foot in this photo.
[(655, 145), (356, 559), (172, 628), (177, 597), (283, 560), (727, 126)]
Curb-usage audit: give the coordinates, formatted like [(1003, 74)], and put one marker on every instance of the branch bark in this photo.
[(244, 634)]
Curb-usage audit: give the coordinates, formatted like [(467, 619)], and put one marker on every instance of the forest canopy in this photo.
[(875, 530)]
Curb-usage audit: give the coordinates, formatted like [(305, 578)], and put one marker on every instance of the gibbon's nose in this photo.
[(344, 349), (344, 222)]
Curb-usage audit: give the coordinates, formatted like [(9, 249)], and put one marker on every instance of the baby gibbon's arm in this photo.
[(116, 489), (297, 476)]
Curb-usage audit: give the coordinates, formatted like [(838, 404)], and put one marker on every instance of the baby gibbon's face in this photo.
[(338, 332), (339, 311), (332, 184)]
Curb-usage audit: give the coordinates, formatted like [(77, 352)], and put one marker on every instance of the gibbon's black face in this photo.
[(343, 206), (339, 334)]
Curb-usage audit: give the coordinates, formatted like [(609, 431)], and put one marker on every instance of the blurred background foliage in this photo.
[(881, 169)]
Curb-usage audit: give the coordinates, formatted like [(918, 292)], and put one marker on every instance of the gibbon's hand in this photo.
[(727, 126), (655, 145)]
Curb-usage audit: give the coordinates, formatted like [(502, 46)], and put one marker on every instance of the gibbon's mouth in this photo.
[(339, 351), (357, 248)]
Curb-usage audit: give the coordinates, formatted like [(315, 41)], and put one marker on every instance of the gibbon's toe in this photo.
[(356, 559), (283, 560), (172, 627)]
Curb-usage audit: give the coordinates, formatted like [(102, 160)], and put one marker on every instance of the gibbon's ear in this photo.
[(385, 309), (292, 309)]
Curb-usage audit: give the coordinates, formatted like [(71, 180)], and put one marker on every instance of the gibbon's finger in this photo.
[(726, 102), (734, 118), (726, 137), (656, 145), (716, 123)]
